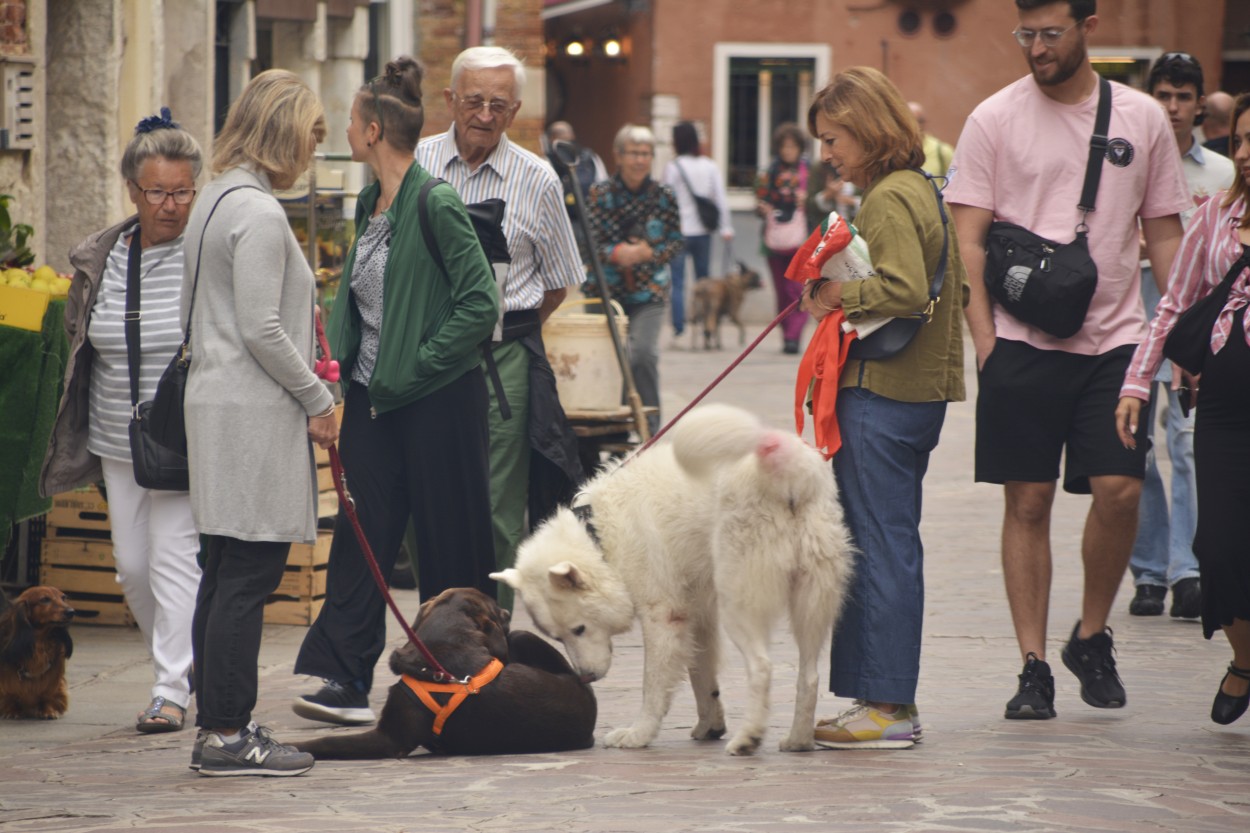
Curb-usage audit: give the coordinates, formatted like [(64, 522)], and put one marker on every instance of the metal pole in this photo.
[(566, 152)]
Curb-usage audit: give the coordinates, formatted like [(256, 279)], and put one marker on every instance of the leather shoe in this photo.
[(1226, 707)]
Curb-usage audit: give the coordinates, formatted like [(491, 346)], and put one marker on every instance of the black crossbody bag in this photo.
[(709, 211), (155, 466), (1190, 338), (897, 334), (1046, 284)]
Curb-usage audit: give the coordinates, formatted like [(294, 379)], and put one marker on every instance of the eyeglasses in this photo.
[(640, 154), (1050, 37), (157, 196), (497, 106)]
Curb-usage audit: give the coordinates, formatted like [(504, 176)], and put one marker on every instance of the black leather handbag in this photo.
[(1046, 284), (164, 416), (1190, 339), (892, 337), (155, 466)]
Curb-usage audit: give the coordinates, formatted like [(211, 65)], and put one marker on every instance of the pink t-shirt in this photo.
[(1022, 155)]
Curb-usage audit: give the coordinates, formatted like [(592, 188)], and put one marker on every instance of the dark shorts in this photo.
[(1034, 405)]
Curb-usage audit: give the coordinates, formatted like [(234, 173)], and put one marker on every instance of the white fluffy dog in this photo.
[(731, 522)]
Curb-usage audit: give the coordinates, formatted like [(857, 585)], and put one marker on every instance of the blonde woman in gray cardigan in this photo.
[(252, 404)]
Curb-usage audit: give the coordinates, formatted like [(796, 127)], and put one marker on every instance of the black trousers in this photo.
[(428, 460), (226, 629)]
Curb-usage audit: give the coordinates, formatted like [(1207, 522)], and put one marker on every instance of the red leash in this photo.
[(719, 378), (326, 366)]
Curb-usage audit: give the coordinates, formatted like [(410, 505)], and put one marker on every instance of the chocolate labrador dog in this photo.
[(534, 703)]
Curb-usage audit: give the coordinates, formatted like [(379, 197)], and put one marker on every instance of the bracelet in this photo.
[(327, 412), (816, 295)]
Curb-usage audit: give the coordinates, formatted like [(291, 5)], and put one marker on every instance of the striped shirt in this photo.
[(1209, 249), (160, 285), (540, 236)]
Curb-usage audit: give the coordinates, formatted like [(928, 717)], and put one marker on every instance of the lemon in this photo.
[(46, 273)]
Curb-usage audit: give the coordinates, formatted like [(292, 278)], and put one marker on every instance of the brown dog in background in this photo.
[(536, 703), (34, 645), (719, 298)]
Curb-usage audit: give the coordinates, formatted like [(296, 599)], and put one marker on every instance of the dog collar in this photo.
[(458, 691), (587, 516)]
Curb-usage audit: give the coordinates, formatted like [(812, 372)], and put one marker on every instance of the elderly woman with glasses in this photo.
[(637, 229), (154, 539)]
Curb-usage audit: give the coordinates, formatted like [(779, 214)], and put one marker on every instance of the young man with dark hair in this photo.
[(1163, 554), (1022, 159)]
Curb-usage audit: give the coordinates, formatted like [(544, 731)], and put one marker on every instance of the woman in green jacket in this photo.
[(414, 437)]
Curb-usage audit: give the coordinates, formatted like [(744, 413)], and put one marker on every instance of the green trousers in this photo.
[(509, 458)]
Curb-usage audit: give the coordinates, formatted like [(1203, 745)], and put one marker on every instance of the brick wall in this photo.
[(13, 35)]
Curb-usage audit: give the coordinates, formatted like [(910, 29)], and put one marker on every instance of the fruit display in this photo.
[(44, 279)]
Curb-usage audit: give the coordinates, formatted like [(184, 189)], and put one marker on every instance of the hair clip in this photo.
[(164, 121)]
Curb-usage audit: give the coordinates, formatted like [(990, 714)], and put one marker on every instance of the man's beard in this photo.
[(1062, 70)]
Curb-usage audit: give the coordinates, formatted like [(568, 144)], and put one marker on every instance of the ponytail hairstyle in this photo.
[(393, 101)]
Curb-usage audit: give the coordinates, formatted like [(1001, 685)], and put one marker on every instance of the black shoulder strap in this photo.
[(1097, 149), (684, 178), (132, 315), (431, 244), (939, 276)]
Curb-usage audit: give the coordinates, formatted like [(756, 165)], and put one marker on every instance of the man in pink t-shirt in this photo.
[(1021, 159)]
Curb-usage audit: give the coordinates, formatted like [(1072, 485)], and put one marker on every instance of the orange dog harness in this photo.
[(458, 691)]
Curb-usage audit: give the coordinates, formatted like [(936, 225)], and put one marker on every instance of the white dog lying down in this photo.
[(732, 521)]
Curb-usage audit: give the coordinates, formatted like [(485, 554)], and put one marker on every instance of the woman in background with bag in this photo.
[(691, 175), (252, 404), (781, 194), (1214, 258), (155, 542), (889, 410)]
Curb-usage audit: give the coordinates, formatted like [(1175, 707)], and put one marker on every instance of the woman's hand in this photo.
[(763, 208), (323, 430), (1126, 415), (817, 298), (632, 254)]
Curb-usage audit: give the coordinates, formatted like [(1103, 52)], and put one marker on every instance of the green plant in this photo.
[(13, 248)]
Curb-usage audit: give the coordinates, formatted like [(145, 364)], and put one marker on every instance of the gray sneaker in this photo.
[(256, 753), (197, 750)]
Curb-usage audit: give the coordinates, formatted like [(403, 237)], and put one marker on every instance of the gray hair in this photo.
[(633, 134), (489, 57), (174, 144)]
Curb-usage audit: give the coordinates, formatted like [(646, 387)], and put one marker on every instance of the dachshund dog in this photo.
[(719, 298), (535, 704), (34, 645)]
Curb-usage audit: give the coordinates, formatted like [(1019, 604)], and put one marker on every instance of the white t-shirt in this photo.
[(1022, 156), (706, 181)]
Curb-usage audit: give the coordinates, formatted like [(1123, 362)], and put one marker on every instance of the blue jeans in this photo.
[(1163, 553), (699, 247), (880, 469)]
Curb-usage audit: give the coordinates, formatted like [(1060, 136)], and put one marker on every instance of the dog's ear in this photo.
[(509, 577), (20, 635), (565, 576), (62, 636)]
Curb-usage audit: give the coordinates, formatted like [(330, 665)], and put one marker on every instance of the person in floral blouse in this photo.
[(637, 233), (780, 193)]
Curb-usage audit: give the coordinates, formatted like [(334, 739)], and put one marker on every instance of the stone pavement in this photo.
[(1157, 765)]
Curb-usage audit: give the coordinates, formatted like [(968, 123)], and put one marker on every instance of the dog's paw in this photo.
[(709, 729), (798, 744), (631, 738), (744, 744)]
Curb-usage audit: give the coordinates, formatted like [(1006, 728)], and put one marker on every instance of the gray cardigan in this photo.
[(251, 387)]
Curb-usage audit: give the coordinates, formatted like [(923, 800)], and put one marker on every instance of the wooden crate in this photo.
[(82, 513), (86, 572), (299, 596)]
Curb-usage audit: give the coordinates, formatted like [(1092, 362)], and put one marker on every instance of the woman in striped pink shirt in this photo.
[(1216, 242)]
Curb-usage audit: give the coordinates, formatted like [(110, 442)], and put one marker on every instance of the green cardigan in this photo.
[(900, 223), (432, 322)]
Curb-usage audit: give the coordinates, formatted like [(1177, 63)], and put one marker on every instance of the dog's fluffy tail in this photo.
[(712, 435)]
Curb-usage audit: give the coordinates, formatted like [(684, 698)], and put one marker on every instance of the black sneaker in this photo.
[(1187, 600), (1035, 699), (1093, 662), (336, 703), (256, 753), (1149, 600)]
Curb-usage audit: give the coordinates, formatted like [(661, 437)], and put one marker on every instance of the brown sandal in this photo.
[(156, 719)]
